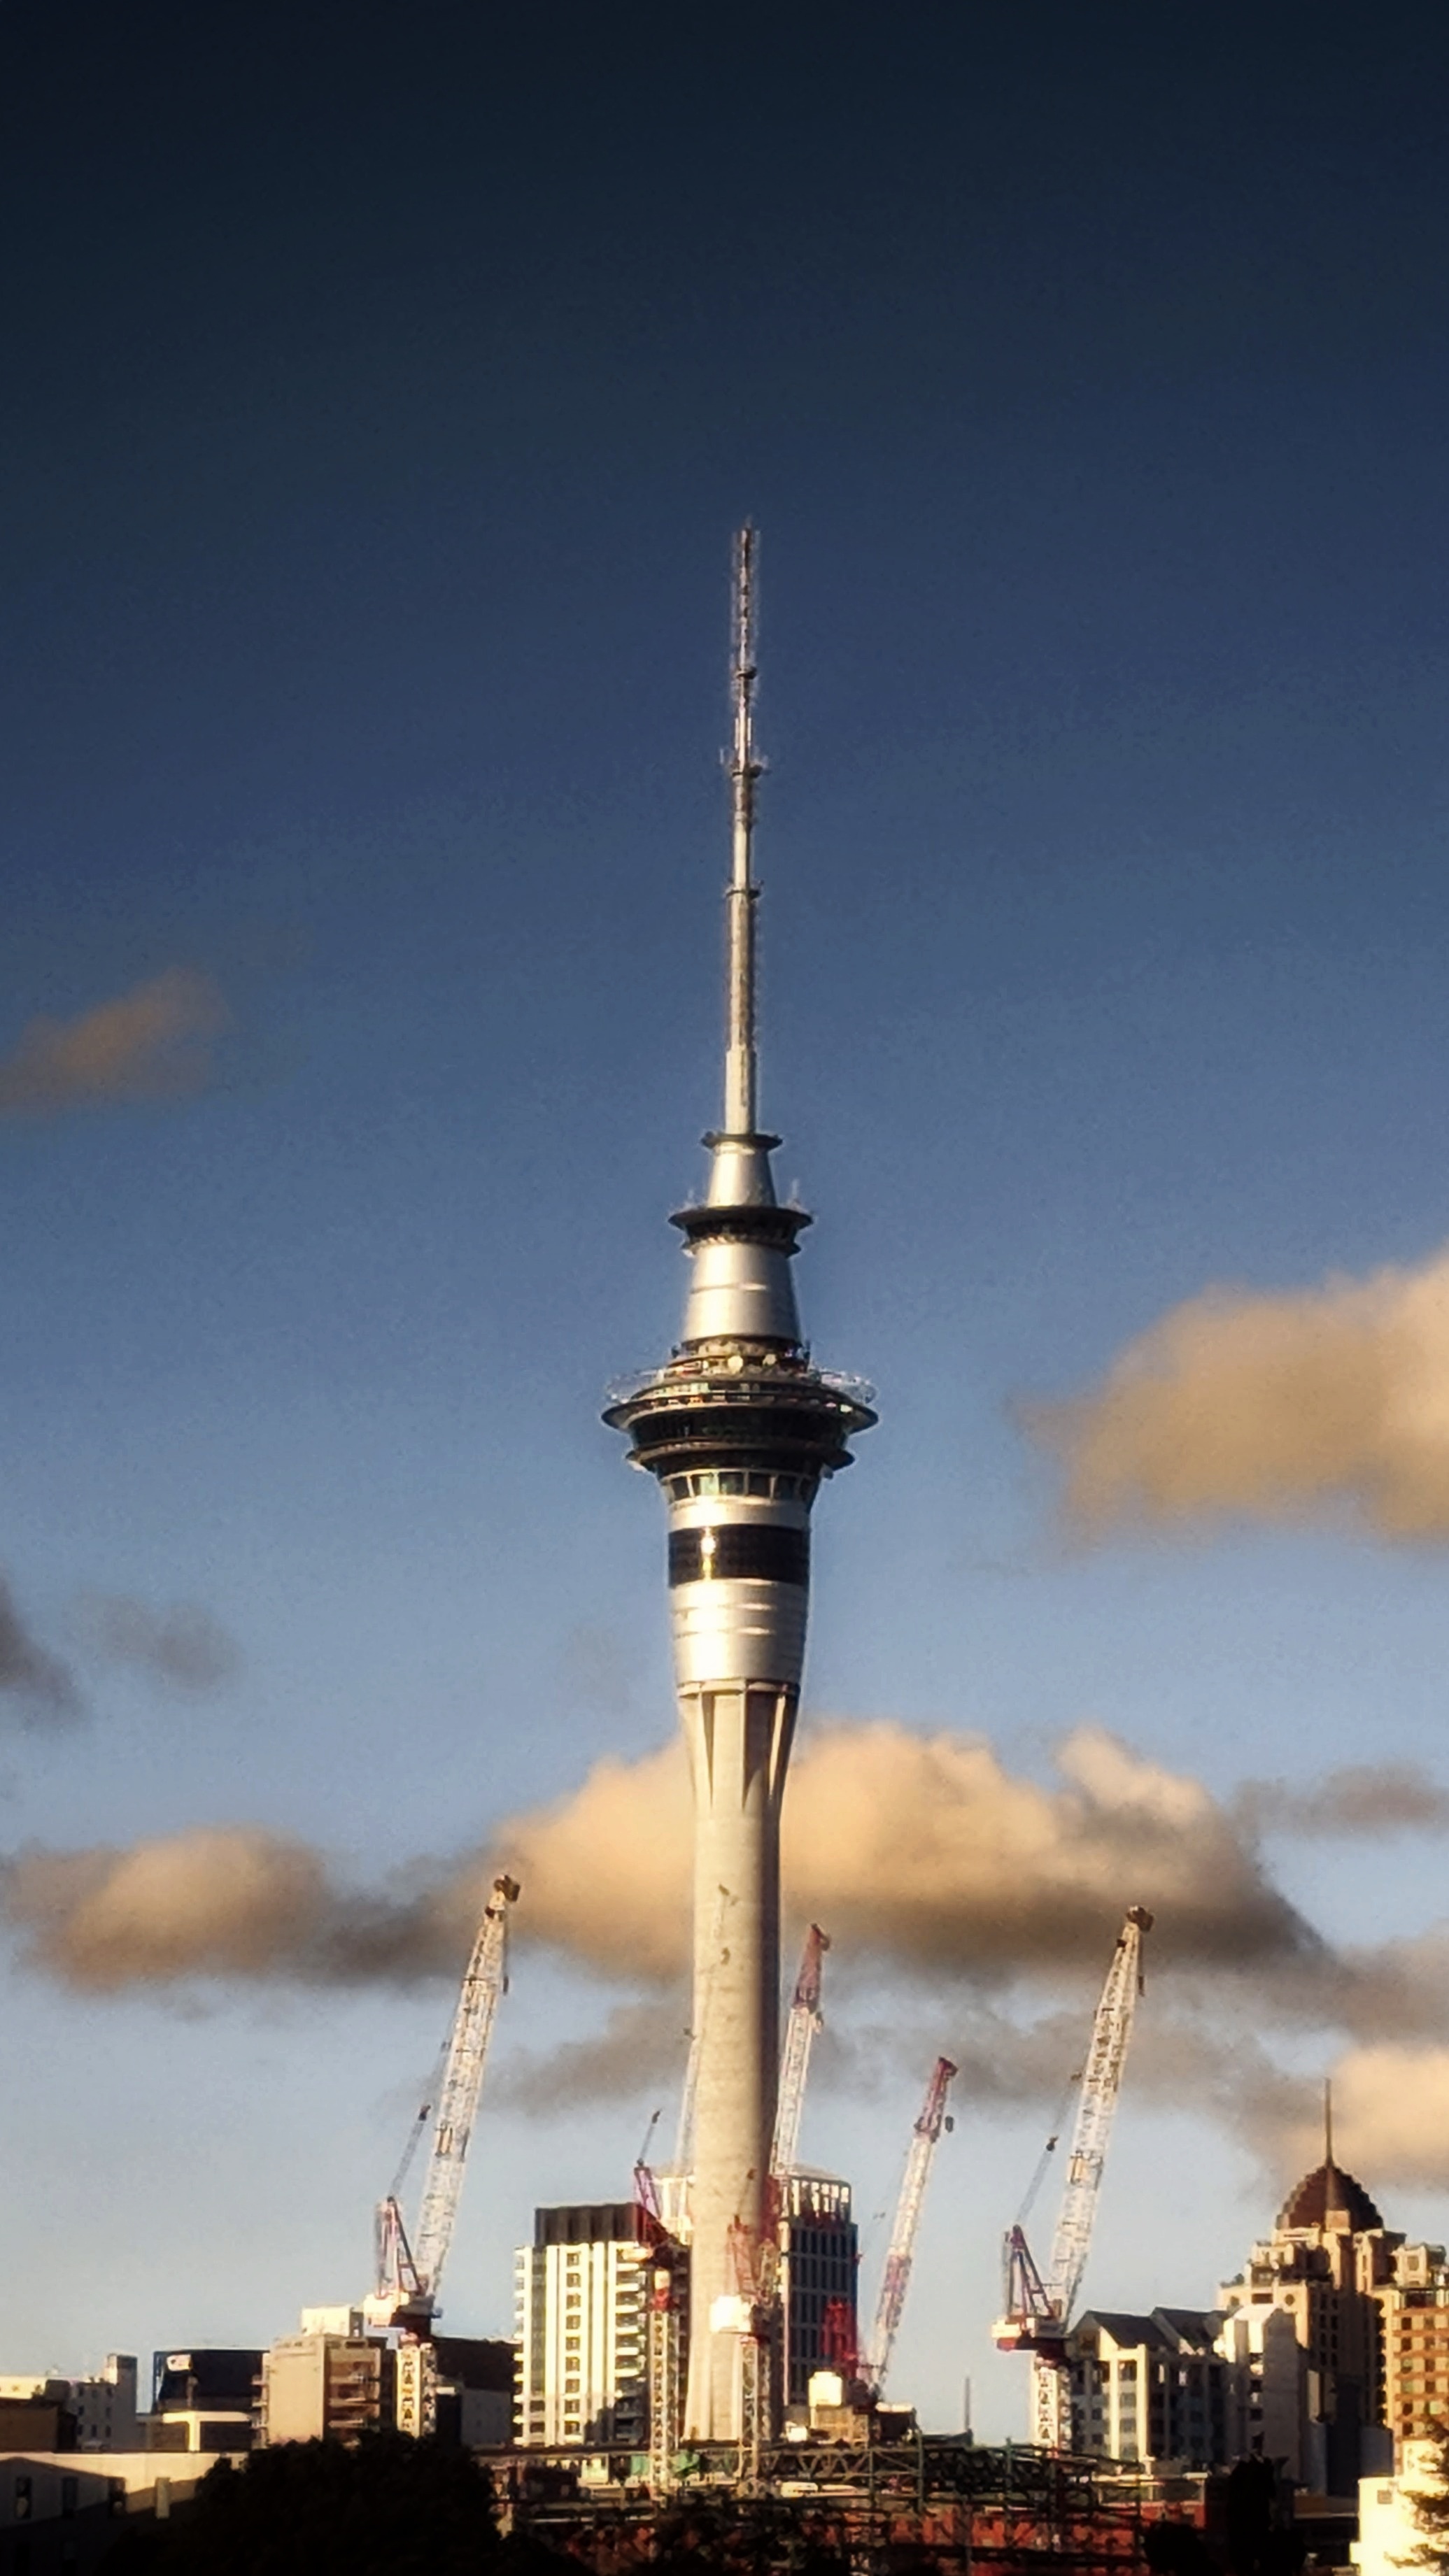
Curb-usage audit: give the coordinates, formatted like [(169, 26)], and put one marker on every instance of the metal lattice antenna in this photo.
[(744, 769)]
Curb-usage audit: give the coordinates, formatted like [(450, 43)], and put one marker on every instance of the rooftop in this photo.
[(1329, 2188)]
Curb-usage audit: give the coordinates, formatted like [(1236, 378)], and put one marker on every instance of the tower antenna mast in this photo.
[(745, 767)]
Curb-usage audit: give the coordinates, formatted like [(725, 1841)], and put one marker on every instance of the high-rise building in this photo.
[(100, 2412), (204, 2398), (1414, 2307), (1319, 2402), (584, 2296), (582, 2291), (738, 1426), (106, 2417), (1156, 2389), (332, 2382), (819, 2259)]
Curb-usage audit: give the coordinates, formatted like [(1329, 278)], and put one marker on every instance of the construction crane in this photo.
[(1037, 2313), (760, 2325), (704, 1997), (409, 2271), (756, 2260), (648, 2213), (895, 2280), (668, 2268), (803, 2021)]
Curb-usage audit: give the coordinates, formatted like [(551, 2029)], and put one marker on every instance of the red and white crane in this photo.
[(755, 2259), (803, 2021), (1038, 2309), (409, 2272), (895, 2280)]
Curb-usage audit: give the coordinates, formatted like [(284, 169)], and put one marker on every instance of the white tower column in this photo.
[(739, 1743)]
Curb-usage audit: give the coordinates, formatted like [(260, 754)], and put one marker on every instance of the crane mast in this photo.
[(754, 2256), (485, 1980), (803, 2022), (410, 2270), (1038, 2311), (895, 2280), (1101, 2084)]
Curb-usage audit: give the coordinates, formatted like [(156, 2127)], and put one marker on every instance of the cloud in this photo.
[(184, 1647), (920, 1853), (1397, 1989), (926, 1851), (36, 1682), (1391, 2113), (643, 2043), (225, 1901), (606, 1869), (1324, 1404), (1361, 1801), (972, 1909), (153, 1043), (985, 1903)]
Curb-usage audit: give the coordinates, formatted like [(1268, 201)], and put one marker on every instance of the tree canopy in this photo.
[(393, 2506)]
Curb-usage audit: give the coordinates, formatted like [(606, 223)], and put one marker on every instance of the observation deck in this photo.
[(765, 1409)]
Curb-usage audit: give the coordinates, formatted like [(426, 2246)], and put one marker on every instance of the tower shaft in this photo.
[(739, 1427), (739, 1743)]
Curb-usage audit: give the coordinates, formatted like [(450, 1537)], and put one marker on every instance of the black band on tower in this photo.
[(740, 1551)]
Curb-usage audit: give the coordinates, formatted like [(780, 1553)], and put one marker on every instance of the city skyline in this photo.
[(382, 430)]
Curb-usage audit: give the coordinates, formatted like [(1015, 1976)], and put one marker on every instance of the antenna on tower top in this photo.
[(744, 769)]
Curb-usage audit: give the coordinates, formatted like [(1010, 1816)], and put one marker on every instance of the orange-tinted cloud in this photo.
[(153, 1043), (921, 1853), (1326, 1404)]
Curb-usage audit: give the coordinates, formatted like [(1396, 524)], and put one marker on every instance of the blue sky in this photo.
[(381, 397)]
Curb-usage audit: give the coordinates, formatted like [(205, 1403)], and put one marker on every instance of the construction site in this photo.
[(692, 2356), (693, 2371), (725, 2312)]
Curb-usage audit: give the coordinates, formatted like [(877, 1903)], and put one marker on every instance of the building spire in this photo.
[(1328, 2120), (744, 769)]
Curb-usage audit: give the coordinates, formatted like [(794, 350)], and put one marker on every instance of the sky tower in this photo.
[(739, 1426)]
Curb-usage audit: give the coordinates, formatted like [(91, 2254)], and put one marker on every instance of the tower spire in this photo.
[(744, 769)]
